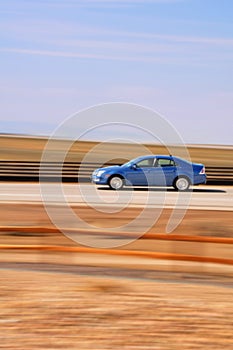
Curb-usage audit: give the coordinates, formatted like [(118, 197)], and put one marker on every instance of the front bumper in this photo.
[(98, 180)]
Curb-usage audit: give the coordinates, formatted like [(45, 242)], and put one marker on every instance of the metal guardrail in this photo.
[(52, 171), (77, 172)]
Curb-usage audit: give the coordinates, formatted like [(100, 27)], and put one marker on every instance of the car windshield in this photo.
[(133, 161)]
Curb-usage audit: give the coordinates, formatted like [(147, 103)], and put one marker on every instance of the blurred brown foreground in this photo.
[(134, 297)]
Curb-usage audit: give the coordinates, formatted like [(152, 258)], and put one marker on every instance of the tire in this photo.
[(116, 182), (181, 183)]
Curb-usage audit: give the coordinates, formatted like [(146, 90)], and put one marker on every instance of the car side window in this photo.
[(163, 162), (145, 163)]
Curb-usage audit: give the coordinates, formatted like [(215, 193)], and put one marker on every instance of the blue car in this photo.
[(152, 170)]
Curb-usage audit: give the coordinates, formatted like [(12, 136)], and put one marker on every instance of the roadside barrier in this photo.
[(154, 236), (77, 172), (119, 252)]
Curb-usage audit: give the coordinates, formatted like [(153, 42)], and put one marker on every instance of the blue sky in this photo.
[(174, 56)]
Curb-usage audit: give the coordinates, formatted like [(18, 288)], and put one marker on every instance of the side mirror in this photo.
[(134, 166)]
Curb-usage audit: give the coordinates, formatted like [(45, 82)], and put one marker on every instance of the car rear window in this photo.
[(165, 162)]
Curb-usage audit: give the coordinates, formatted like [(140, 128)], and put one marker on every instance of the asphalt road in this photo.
[(200, 197)]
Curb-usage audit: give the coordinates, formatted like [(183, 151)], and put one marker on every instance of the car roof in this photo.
[(156, 156)]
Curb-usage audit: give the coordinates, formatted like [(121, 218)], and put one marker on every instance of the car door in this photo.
[(141, 173), (165, 171)]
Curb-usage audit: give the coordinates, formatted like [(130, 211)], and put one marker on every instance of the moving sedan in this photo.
[(152, 170)]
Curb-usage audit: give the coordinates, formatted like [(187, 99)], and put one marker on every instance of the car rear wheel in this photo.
[(116, 183), (182, 183)]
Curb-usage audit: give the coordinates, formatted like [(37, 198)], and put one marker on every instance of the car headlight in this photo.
[(100, 172)]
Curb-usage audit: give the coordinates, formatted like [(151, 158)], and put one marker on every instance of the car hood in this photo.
[(109, 168)]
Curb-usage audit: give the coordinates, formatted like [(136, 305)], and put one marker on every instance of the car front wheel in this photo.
[(116, 183), (182, 183)]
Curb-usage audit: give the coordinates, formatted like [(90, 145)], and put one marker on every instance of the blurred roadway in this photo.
[(202, 197)]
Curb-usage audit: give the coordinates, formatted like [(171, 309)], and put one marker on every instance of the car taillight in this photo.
[(202, 170)]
